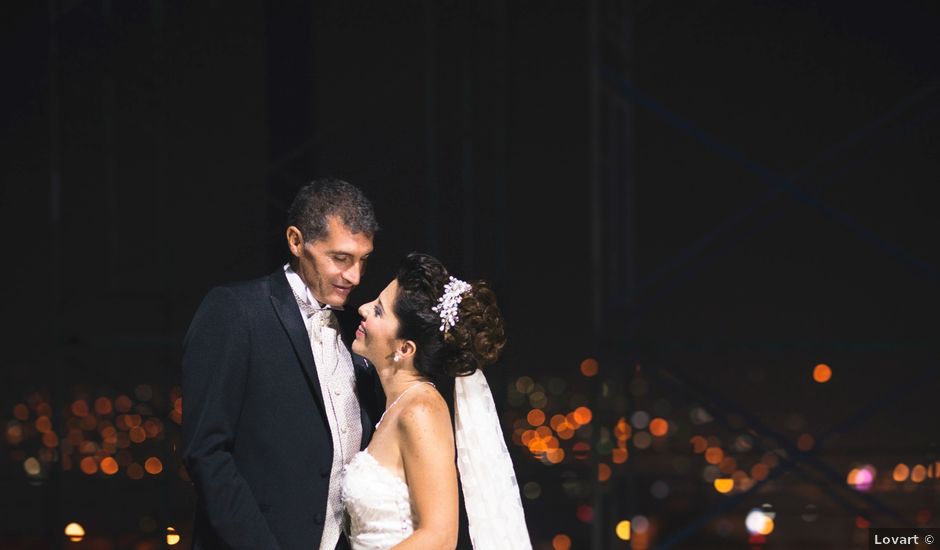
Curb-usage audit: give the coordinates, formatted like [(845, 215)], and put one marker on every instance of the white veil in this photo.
[(490, 490)]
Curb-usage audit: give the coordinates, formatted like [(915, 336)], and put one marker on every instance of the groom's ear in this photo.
[(295, 241)]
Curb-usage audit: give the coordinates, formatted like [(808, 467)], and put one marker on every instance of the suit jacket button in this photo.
[(318, 519), (324, 471)]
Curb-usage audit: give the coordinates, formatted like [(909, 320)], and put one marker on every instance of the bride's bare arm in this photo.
[(427, 450)]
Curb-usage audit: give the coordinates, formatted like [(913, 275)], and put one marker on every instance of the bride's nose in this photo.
[(362, 310)]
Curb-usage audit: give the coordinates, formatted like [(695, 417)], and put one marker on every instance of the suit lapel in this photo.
[(287, 311)]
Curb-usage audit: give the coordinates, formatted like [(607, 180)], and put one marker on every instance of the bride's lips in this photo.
[(360, 330)]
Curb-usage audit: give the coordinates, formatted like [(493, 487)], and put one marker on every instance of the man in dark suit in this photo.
[(272, 395)]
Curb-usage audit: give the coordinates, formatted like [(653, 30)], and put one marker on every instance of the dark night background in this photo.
[(709, 199)]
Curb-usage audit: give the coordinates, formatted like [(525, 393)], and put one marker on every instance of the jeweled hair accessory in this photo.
[(448, 304)]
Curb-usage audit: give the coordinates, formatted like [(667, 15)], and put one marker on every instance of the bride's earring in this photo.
[(396, 358)]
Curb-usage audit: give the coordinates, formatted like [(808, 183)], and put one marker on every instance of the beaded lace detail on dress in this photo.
[(378, 503)]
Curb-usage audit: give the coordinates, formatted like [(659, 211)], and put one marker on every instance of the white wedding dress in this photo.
[(378, 503)]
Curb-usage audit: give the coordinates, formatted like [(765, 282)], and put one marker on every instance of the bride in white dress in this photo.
[(401, 491)]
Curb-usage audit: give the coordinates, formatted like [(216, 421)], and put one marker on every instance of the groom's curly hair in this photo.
[(475, 341)]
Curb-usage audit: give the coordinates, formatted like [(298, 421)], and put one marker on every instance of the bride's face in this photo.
[(376, 337)]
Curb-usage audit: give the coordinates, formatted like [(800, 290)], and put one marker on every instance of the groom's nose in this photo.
[(353, 274)]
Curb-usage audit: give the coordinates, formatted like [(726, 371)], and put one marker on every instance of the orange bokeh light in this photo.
[(103, 406), (88, 465), (699, 444), (603, 472), (535, 417), (561, 542), (805, 442), (75, 532), (555, 455), (714, 455), (583, 415), (619, 456), (622, 430), (50, 439), (14, 434), (724, 485), (153, 466), (538, 447), (172, 536), (21, 412), (80, 408), (123, 403), (572, 421), (43, 424), (138, 434), (109, 466), (659, 427), (822, 373), (589, 367), (901, 471), (153, 427)]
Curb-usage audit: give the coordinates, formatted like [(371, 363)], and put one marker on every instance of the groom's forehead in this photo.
[(339, 239), (351, 248)]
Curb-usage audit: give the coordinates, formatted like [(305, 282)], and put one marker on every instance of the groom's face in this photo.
[(332, 266)]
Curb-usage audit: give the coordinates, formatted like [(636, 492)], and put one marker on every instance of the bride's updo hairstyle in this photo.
[(474, 342)]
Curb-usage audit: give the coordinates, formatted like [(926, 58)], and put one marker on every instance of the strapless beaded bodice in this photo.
[(378, 503)]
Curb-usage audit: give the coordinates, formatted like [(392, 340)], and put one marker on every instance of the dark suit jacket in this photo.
[(256, 440)]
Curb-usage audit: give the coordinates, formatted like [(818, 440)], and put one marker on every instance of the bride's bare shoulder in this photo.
[(425, 412)]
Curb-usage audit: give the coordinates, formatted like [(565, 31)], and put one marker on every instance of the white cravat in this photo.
[(338, 385)]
